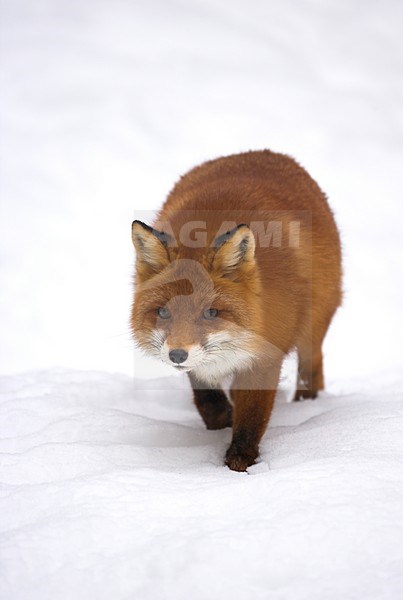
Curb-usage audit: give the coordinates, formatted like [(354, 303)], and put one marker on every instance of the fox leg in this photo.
[(310, 374), (213, 406), (252, 409), (309, 348), (310, 360)]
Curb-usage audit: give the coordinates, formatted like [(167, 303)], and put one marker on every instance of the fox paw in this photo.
[(305, 395), (239, 461)]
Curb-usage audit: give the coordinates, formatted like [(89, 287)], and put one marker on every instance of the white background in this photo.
[(104, 104)]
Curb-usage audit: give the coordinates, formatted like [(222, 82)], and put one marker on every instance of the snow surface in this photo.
[(111, 488)]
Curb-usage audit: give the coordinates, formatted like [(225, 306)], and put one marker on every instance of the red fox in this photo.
[(241, 266)]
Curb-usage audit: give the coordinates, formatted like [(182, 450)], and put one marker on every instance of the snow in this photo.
[(110, 485), (113, 488)]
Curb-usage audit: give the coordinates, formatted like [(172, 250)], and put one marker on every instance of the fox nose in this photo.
[(178, 355)]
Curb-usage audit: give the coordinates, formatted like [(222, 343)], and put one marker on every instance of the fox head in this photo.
[(197, 309)]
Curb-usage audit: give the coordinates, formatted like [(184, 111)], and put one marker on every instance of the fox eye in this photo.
[(163, 313), (210, 313)]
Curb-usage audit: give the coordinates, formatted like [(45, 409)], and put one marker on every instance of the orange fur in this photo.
[(273, 294)]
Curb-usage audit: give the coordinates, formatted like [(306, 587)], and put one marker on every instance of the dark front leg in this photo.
[(251, 415), (212, 405)]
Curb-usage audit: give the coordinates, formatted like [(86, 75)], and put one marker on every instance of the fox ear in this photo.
[(151, 246), (235, 250)]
